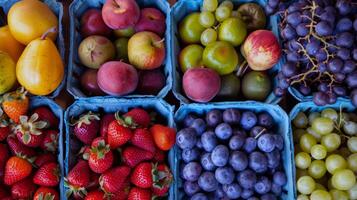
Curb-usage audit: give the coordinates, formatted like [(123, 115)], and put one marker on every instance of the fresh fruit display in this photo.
[(123, 45), (120, 156), (325, 154), (230, 40), (29, 148), (231, 154)]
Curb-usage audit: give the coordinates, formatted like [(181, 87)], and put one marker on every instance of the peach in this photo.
[(120, 14)]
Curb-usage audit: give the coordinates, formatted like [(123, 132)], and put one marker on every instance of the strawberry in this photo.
[(123, 193), (85, 151), (16, 169), (4, 152), (4, 132), (86, 128), (45, 193), (133, 155), (142, 138), (159, 156), (160, 192), (50, 141), (147, 175), (29, 131), (48, 175), (23, 189), (139, 116), (106, 120), (95, 195), (45, 114), (118, 134), (15, 104), (139, 194), (164, 136), (100, 157), (113, 179), (17, 148), (44, 158), (78, 179), (94, 181), (162, 187)]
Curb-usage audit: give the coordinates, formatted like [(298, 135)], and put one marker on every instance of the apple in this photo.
[(220, 56), (191, 56), (151, 81), (92, 24), (121, 45), (261, 50), (89, 82), (230, 87), (126, 32), (120, 14), (256, 85), (151, 19), (232, 30), (146, 50), (190, 29)]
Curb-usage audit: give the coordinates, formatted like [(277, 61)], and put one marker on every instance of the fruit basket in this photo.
[(111, 105), (57, 8), (76, 10), (183, 8), (279, 117)]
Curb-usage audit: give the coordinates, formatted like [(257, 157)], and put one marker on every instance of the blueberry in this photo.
[(209, 141), (250, 144), (248, 120), (279, 178), (247, 179), (199, 125), (273, 158), (207, 182), (189, 155), (207, 163), (189, 120), (266, 143), (240, 132), (224, 175), (246, 193), (253, 198), (223, 131), (257, 130), (238, 160), (266, 120), (268, 196), (231, 116), (192, 171), (233, 191), (199, 196), (279, 141), (220, 155), (258, 162), (186, 138), (276, 189), (214, 117), (191, 188), (263, 185), (236, 142)]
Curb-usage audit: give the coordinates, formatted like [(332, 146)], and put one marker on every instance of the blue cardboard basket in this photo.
[(181, 9), (112, 105), (57, 8), (58, 112), (280, 118), (343, 104), (76, 10)]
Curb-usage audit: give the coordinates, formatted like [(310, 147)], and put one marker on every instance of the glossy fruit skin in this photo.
[(45, 114), (142, 138), (95, 195), (89, 82), (139, 116), (47, 175), (85, 131), (139, 194), (151, 19), (16, 147), (100, 156), (256, 86), (190, 29), (92, 24), (16, 169), (30, 19), (114, 179), (142, 175), (7, 71), (232, 30), (104, 124), (253, 15), (120, 14), (164, 136), (79, 175), (118, 135), (23, 189), (151, 81), (11, 46), (132, 156), (190, 56)]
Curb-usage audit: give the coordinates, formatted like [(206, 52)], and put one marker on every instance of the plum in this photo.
[(117, 78), (151, 81), (92, 24), (201, 84), (89, 82)]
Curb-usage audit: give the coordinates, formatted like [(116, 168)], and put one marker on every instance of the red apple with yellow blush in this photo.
[(92, 24)]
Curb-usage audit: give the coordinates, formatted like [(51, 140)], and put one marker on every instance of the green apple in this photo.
[(220, 56), (256, 85), (191, 56), (190, 29), (232, 30), (230, 87), (128, 32), (121, 46)]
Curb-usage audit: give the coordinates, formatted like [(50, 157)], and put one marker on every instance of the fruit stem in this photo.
[(51, 30), (157, 43)]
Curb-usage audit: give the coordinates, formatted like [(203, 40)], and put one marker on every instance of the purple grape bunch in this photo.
[(320, 45)]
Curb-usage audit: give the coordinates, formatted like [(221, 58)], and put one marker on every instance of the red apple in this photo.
[(146, 50), (261, 50), (92, 24), (120, 14), (151, 19), (89, 82), (151, 81)]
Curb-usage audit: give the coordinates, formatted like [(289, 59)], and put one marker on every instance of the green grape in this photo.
[(313, 133), (301, 172), (320, 187), (350, 128), (338, 195), (300, 121), (313, 116), (352, 193), (306, 142), (317, 169), (343, 179), (208, 36), (227, 3), (318, 152), (335, 162), (302, 160), (330, 113), (306, 185), (331, 141), (297, 134), (320, 195), (302, 197), (222, 13), (210, 5), (352, 144), (207, 19), (322, 125), (352, 162)]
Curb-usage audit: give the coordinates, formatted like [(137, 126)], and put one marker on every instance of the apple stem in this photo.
[(156, 44), (51, 30), (242, 68)]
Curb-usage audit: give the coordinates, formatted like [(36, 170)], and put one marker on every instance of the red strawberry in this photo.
[(133, 155), (86, 128), (164, 136), (17, 148), (160, 192), (45, 114), (23, 189), (45, 193), (159, 156), (85, 151), (106, 120), (147, 175), (94, 181), (15, 104), (44, 158), (50, 140), (78, 179), (95, 195), (48, 175), (113, 180), (142, 138), (123, 192), (118, 134), (4, 132), (162, 187), (139, 194), (100, 157), (138, 116), (29, 130), (4, 152), (16, 169)]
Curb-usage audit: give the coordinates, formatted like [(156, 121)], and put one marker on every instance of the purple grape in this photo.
[(273, 3), (344, 24), (323, 87), (323, 28), (294, 18), (288, 33), (321, 55), (335, 65), (293, 56), (354, 52), (344, 39), (213, 117), (313, 46), (339, 90), (279, 141), (305, 90), (322, 67), (302, 29), (349, 66), (289, 69), (279, 91), (344, 54), (320, 98), (283, 83), (328, 16), (332, 98), (293, 45), (351, 80), (269, 10), (340, 77), (343, 6), (354, 97)]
